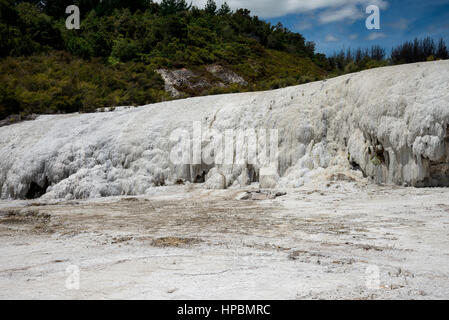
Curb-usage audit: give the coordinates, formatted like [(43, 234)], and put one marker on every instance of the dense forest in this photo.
[(111, 60)]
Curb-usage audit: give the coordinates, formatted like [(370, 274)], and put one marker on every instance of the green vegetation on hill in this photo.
[(111, 60), (57, 82)]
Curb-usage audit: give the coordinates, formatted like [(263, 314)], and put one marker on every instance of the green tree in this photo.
[(168, 7), (442, 52), (125, 49), (224, 9), (211, 7)]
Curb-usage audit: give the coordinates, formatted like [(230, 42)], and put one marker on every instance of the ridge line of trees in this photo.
[(418, 50)]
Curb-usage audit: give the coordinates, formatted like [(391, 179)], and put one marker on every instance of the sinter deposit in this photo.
[(390, 123)]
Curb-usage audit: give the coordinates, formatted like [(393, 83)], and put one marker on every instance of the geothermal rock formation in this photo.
[(391, 123)]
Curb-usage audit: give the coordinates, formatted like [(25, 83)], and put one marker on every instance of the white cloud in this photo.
[(303, 25), (278, 8), (350, 13), (375, 36), (353, 36), (330, 38)]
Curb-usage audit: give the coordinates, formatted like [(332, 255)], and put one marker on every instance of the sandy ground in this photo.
[(343, 241)]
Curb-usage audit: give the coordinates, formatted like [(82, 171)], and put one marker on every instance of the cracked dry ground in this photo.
[(194, 244)]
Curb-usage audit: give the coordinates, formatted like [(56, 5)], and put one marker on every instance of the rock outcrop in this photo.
[(226, 75), (178, 81), (216, 180), (392, 123)]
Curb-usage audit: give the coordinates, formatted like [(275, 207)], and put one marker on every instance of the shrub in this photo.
[(125, 50)]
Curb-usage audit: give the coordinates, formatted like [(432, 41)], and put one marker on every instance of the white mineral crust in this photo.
[(392, 123)]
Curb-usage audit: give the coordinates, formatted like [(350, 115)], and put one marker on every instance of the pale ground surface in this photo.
[(313, 243), (184, 242)]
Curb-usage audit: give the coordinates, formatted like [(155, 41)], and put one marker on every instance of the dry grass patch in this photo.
[(174, 242)]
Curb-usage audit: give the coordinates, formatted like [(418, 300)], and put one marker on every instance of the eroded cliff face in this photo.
[(402, 136), (182, 81), (391, 123)]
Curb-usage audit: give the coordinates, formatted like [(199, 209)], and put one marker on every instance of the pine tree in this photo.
[(442, 52), (224, 9), (168, 7), (428, 47), (377, 53), (211, 7)]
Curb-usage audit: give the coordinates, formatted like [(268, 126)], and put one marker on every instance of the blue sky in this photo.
[(337, 24), (399, 21)]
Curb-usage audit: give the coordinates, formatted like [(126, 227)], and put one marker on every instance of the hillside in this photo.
[(112, 60), (391, 123), (139, 52)]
